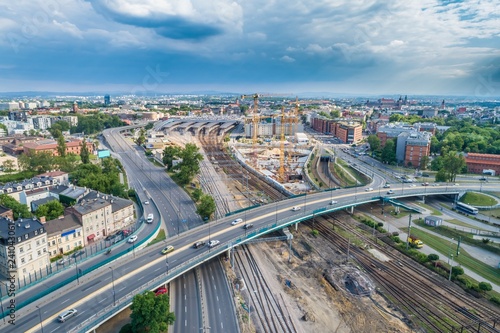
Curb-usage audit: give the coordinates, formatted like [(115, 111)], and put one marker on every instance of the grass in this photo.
[(463, 224), (479, 199), (442, 246), (160, 237), (434, 211)]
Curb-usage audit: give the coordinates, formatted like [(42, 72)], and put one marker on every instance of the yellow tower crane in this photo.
[(281, 170), (255, 123), (296, 115)]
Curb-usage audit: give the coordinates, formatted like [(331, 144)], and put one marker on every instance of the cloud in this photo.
[(288, 59), (184, 19)]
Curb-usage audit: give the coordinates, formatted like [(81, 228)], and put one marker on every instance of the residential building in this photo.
[(64, 234), (482, 163), (23, 248), (412, 146), (349, 132)]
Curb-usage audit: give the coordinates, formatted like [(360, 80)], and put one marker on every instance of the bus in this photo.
[(466, 208)]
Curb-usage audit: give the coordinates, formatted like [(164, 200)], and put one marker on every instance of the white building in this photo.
[(301, 138), (23, 248), (9, 106)]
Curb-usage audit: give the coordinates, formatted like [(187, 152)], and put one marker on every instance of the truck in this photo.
[(415, 242)]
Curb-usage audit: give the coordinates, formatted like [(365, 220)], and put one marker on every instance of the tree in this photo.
[(433, 257), (170, 153), (456, 271), (84, 152), (141, 139), (197, 193), (151, 313), (206, 207), (374, 142), (51, 210), (61, 146), (8, 166), (453, 163), (37, 162), (484, 286), (424, 161), (190, 164), (389, 152), (18, 209)]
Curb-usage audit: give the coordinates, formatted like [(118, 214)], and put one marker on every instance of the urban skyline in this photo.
[(427, 48)]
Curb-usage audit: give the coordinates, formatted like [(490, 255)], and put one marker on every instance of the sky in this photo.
[(431, 47)]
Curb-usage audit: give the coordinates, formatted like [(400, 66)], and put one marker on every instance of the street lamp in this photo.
[(113, 283), (450, 256), (166, 260), (40, 315), (76, 266), (451, 266)]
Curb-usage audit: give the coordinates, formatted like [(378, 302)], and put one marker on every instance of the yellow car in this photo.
[(168, 249)]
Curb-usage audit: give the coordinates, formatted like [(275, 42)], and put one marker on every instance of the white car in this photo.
[(333, 202), (213, 243), (296, 208), (369, 189), (132, 238), (235, 222), (146, 202)]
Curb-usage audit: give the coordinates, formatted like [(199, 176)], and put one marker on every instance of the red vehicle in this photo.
[(161, 291)]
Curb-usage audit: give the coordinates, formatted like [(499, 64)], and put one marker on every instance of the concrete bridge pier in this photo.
[(351, 209)]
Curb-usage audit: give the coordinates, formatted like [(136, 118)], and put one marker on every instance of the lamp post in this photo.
[(450, 256), (276, 210), (166, 261), (76, 266), (40, 316), (451, 266), (113, 283)]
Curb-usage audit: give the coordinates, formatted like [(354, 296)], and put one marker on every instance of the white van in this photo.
[(66, 315), (150, 218)]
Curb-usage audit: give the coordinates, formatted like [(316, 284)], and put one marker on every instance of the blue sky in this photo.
[(342, 46)]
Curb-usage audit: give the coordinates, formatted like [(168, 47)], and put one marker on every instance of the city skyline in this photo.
[(350, 47)]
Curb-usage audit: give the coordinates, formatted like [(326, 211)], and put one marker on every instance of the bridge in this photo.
[(266, 219)]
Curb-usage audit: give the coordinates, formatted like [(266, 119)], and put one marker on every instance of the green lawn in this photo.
[(443, 247), (475, 198), (463, 224), (159, 238)]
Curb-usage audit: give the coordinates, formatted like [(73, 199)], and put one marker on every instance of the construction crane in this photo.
[(281, 170), (255, 123), (296, 115)]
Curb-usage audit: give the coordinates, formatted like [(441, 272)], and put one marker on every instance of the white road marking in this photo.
[(139, 279), (102, 300), (217, 298), (157, 269), (54, 330), (185, 322), (185, 297), (185, 309), (122, 289), (65, 301)]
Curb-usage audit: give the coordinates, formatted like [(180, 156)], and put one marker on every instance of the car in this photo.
[(425, 184), (412, 185), (248, 226), (435, 184), (235, 222), (369, 189), (425, 175), (387, 186), (296, 208), (78, 253), (66, 315), (132, 239), (111, 237), (456, 184), (146, 202), (198, 244), (116, 240), (390, 192), (213, 243), (167, 249), (483, 178), (62, 261), (333, 202), (150, 218), (161, 291), (125, 233)]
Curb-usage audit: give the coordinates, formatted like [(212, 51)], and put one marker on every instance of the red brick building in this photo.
[(72, 147), (348, 132), (477, 163)]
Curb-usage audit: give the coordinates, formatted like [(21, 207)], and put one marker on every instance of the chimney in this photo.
[(42, 219)]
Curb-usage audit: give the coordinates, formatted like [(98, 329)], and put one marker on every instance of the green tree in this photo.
[(197, 193), (389, 152), (18, 209), (51, 210), (61, 146), (335, 114), (456, 271), (8, 166), (141, 139), (374, 142), (442, 176), (37, 162), (453, 163), (84, 152), (170, 153), (433, 257), (485, 286), (206, 207), (67, 163), (424, 162), (151, 313)]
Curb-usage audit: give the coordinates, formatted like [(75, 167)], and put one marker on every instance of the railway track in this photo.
[(272, 316), (432, 302), (213, 146)]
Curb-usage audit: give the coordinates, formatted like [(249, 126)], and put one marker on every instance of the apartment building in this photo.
[(23, 248)]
